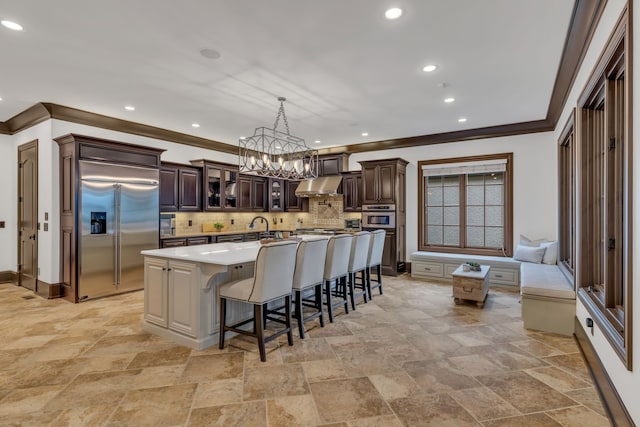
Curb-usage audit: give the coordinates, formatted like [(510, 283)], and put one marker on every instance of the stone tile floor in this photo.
[(411, 357)]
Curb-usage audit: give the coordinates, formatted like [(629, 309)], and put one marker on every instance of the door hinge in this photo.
[(612, 143)]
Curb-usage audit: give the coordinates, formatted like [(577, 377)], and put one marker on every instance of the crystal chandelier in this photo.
[(276, 154)]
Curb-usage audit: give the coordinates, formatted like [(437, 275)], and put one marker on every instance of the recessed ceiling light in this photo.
[(1, 100), (393, 13), (11, 25), (462, 120), (243, 137), (129, 107), (449, 100), (278, 147), (365, 134), (210, 53), (317, 141), (195, 125), (429, 68)]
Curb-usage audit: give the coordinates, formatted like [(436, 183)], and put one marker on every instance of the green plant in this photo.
[(473, 264), (218, 226)]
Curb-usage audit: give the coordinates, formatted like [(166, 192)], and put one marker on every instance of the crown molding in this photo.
[(584, 21)]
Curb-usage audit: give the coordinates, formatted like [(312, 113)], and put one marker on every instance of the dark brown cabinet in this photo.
[(384, 182), (292, 202), (332, 164), (379, 182), (180, 188), (220, 185), (275, 195), (352, 191), (251, 193)]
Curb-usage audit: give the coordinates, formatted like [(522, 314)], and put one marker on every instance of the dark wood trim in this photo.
[(8, 277), (508, 201), (613, 404), (48, 290), (584, 21)]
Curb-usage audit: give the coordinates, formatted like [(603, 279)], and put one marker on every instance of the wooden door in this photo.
[(369, 176), (28, 215), (259, 195), (190, 192), (386, 183), (168, 189)]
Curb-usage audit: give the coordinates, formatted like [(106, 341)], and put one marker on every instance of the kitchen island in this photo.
[(181, 289)]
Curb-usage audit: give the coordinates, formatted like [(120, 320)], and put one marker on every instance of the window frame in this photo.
[(567, 199), (605, 189), (508, 207)]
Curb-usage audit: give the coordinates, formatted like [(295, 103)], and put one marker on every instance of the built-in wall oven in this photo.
[(378, 216)]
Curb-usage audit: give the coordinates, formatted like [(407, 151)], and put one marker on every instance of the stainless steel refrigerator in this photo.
[(119, 215)]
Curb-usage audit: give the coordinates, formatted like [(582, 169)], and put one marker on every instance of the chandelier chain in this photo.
[(284, 116)]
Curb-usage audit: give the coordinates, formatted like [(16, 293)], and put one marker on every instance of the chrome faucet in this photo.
[(252, 223)]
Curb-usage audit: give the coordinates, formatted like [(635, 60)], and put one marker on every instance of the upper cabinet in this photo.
[(275, 195), (383, 181), (332, 164), (352, 190), (180, 188), (252, 193), (294, 203), (220, 185)]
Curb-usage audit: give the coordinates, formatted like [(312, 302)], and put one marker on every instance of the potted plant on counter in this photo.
[(218, 226)]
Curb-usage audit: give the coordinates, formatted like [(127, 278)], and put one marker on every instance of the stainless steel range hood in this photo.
[(321, 186)]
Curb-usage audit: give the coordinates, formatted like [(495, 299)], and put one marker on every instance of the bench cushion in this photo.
[(545, 281)]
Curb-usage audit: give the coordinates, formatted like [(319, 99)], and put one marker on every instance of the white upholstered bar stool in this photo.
[(272, 280), (358, 264), (309, 273), (336, 269), (374, 259)]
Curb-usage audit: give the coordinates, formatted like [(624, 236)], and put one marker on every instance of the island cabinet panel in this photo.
[(236, 311), (183, 296), (155, 291)]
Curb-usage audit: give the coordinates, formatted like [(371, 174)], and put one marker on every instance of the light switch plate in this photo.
[(2, 224), (46, 226)]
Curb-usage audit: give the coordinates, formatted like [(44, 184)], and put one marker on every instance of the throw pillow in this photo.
[(529, 254), (525, 241), (551, 252)]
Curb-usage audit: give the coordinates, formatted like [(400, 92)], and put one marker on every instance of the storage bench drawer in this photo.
[(504, 277), (427, 269)]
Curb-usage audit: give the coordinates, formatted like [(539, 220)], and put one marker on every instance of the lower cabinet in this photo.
[(389, 254), (170, 293)]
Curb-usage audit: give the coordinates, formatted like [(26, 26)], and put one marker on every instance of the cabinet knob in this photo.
[(168, 269), (164, 269), (498, 275)]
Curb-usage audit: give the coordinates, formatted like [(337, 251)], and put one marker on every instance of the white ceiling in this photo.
[(342, 66)]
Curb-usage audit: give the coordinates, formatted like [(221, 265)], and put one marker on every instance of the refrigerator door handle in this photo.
[(116, 222)]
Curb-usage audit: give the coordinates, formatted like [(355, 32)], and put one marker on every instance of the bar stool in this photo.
[(309, 272), (376, 247), (336, 268), (272, 280), (358, 264)]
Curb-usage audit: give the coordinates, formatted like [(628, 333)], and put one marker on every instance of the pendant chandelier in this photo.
[(276, 154)]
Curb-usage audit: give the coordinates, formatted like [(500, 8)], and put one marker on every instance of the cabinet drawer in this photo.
[(173, 243), (192, 241), (503, 277), (427, 269), (449, 269)]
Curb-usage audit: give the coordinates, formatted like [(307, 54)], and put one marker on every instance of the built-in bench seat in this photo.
[(437, 265), (548, 299)]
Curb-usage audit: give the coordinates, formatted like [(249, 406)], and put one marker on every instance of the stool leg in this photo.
[(327, 285), (365, 296), (319, 303), (298, 304), (343, 284), (379, 269), (367, 273), (287, 313), (352, 289), (223, 315), (258, 319)]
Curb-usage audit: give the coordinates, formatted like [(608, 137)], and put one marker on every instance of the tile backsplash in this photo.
[(324, 212)]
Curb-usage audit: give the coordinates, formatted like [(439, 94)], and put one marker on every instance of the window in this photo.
[(602, 270), (466, 205), (567, 198)]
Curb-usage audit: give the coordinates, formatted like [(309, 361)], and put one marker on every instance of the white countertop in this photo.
[(215, 253)]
